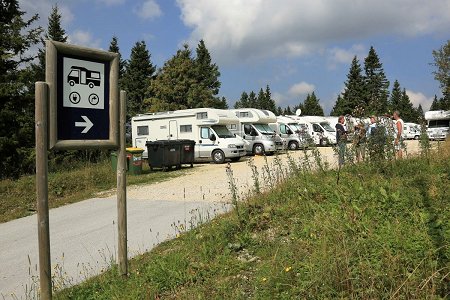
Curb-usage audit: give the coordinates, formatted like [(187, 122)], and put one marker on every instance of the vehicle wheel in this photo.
[(258, 149), (235, 159), (218, 156), (71, 83), (91, 85), (293, 145), (416, 137), (323, 143)]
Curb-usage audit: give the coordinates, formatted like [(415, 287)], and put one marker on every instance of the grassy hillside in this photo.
[(383, 232)]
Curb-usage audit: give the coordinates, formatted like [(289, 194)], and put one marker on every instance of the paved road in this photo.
[(84, 238)]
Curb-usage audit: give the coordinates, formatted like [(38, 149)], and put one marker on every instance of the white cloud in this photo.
[(84, 38), (417, 98), (237, 30), (149, 9), (338, 55), (279, 98), (301, 88), (112, 2)]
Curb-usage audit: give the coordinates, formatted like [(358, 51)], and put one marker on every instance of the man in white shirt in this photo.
[(398, 134)]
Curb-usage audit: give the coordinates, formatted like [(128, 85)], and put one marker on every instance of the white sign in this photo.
[(83, 83)]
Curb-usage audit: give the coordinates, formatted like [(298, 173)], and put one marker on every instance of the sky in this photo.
[(294, 46)]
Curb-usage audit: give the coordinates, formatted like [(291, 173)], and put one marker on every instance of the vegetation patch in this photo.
[(382, 232)]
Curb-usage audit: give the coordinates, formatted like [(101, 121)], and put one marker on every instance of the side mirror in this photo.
[(212, 137)]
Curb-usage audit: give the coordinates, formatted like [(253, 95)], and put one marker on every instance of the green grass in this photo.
[(382, 233), (18, 197)]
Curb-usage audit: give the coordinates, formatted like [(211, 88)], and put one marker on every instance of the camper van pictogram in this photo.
[(80, 75)]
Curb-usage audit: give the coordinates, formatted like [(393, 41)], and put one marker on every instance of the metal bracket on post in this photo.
[(122, 190), (41, 125)]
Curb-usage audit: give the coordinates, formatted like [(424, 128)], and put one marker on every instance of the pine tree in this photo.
[(252, 100), (270, 103), (420, 115), (435, 105), (243, 102), (376, 84), (114, 47), (279, 111), (311, 106), (137, 79), (396, 97), (288, 111), (261, 100), (16, 101), (406, 108), (353, 95), (339, 107)]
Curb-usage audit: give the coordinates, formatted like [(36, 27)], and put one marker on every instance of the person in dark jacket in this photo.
[(341, 138)]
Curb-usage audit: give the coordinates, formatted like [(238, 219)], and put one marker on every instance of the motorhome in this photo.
[(438, 124), (206, 126), (319, 129), (290, 132), (411, 131), (254, 128)]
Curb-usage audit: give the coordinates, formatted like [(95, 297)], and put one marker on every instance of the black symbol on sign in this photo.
[(80, 75), (93, 99), (74, 97)]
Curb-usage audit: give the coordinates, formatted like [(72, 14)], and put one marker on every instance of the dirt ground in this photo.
[(209, 182)]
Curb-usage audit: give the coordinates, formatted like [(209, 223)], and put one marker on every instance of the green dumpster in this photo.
[(134, 160)]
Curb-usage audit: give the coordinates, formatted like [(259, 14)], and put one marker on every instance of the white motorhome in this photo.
[(319, 129), (438, 124), (411, 131), (253, 127), (206, 126), (289, 131)]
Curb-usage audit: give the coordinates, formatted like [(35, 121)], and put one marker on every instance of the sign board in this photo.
[(84, 97)]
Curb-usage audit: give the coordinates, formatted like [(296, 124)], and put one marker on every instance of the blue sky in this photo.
[(294, 46)]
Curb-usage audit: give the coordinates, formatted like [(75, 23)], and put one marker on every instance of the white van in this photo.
[(253, 128), (438, 124), (411, 131), (206, 126), (318, 128), (289, 131)]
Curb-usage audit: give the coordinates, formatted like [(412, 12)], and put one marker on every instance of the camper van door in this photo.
[(205, 145), (173, 130)]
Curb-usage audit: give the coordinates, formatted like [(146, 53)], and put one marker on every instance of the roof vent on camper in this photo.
[(298, 112), (265, 112)]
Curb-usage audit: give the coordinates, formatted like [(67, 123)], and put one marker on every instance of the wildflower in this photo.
[(264, 279), (287, 269)]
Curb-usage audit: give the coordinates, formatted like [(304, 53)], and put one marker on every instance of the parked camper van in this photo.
[(289, 131), (438, 124), (206, 126), (254, 128), (411, 131), (318, 128)]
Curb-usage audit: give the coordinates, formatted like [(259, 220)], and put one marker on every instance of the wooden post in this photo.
[(41, 125), (122, 189)]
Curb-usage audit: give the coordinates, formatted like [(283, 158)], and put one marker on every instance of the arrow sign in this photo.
[(87, 124)]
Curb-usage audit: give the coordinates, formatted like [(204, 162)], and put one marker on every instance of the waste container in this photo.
[(114, 161), (187, 152), (134, 160), (164, 154)]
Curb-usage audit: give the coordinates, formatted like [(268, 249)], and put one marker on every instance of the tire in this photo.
[(258, 149), (235, 159), (91, 85), (218, 157), (416, 137), (293, 145), (71, 83)]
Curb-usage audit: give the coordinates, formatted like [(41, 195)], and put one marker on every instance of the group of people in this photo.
[(372, 132)]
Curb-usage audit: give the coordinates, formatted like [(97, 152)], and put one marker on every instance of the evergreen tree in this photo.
[(54, 32), (406, 108), (114, 47), (252, 100), (420, 115), (279, 111), (311, 106), (376, 84), (137, 79), (16, 100), (442, 64), (269, 102), (288, 111), (223, 104), (261, 100), (243, 102), (353, 95), (396, 97), (339, 107)]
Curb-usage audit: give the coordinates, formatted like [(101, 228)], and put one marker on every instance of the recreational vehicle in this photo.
[(411, 131), (289, 131), (254, 128), (438, 124), (206, 126), (319, 129)]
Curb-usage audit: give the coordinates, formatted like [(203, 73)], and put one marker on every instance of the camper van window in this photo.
[(245, 114), (204, 132), (264, 129), (317, 128), (438, 123), (327, 127), (247, 128), (142, 130), (233, 126), (283, 128), (185, 128), (222, 131), (202, 115)]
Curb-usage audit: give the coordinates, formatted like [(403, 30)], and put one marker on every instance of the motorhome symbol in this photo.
[(80, 75)]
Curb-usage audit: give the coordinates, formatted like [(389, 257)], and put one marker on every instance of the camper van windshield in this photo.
[(295, 126), (222, 131), (327, 126), (263, 128)]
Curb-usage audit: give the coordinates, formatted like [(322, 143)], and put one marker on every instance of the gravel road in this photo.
[(83, 235)]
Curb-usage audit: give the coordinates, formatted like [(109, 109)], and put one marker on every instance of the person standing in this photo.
[(341, 138), (359, 142), (398, 134)]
